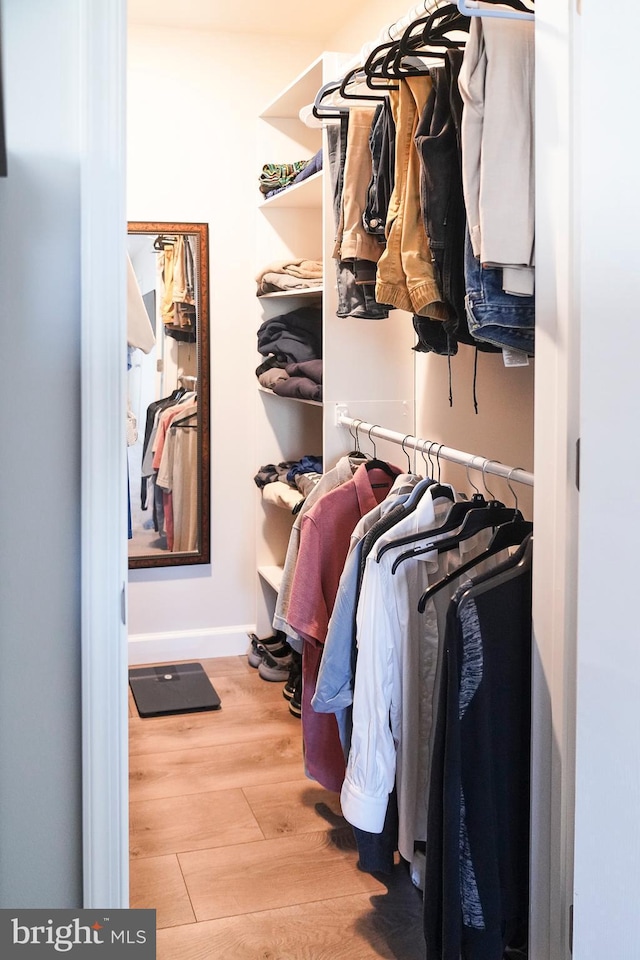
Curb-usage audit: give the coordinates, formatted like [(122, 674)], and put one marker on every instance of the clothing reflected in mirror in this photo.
[(167, 359)]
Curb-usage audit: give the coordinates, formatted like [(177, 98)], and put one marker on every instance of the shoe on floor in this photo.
[(274, 665), (295, 704), (276, 643), (294, 672)]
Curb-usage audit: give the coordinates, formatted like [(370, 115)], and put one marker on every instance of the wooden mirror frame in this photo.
[(203, 552)]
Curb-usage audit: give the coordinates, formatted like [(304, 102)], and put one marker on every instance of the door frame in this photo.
[(104, 561), (105, 801)]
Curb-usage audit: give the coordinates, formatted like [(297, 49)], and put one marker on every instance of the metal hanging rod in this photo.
[(408, 441)]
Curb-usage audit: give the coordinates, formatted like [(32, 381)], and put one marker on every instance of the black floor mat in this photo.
[(180, 688)]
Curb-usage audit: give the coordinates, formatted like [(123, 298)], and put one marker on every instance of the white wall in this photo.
[(501, 430), (40, 748), (193, 102)]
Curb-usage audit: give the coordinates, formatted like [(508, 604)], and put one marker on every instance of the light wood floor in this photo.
[(241, 855)]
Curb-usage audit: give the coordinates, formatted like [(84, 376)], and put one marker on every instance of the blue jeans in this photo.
[(495, 316)]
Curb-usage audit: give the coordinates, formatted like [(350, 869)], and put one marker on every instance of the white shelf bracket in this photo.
[(341, 410)]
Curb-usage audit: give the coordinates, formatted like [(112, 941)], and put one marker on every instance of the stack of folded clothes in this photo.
[(289, 275), (292, 337), (276, 176), (287, 484), (311, 166), (303, 381)]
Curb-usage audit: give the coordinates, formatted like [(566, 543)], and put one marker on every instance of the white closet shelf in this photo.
[(311, 403), (307, 193), (271, 575), (301, 292), (298, 94)]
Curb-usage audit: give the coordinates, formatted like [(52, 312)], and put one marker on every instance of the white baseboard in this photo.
[(188, 644)]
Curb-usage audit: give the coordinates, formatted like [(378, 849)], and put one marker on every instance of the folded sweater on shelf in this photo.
[(295, 336), (288, 471), (313, 166), (299, 388), (303, 381), (282, 495), (292, 274), (279, 282), (269, 378), (311, 369), (276, 175)]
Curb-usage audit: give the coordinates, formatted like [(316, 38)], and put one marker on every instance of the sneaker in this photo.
[(276, 644), (295, 704), (273, 666), (294, 672)]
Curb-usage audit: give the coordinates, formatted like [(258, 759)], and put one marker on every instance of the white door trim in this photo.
[(556, 498), (104, 498)]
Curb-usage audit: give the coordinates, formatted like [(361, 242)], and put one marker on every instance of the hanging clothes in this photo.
[(355, 299), (178, 476), (175, 283), (325, 533), (382, 145), (343, 471), (395, 675), (477, 852), (405, 276), (354, 243), (496, 84)]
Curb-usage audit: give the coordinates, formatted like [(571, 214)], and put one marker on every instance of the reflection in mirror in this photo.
[(168, 393)]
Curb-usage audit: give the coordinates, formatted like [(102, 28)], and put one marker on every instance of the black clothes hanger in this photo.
[(375, 464), (452, 521), (161, 242), (490, 514), (357, 453), (456, 516), (388, 59), (377, 65), (350, 76), (434, 30), (511, 534), (517, 564), (493, 514), (184, 421), (177, 393), (440, 489)]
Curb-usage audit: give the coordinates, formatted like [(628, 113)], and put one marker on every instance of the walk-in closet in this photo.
[(322, 325), (371, 398)]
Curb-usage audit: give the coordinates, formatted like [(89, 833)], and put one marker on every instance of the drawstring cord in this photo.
[(475, 380)]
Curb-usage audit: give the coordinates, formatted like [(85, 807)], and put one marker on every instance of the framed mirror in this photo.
[(168, 394)]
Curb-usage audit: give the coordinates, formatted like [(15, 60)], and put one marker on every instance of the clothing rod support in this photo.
[(470, 460)]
